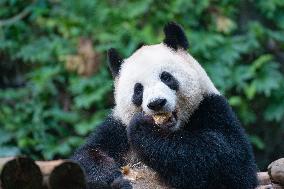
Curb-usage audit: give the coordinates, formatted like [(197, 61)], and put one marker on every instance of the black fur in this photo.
[(102, 156), (169, 80), (114, 61), (210, 152), (137, 97), (175, 37)]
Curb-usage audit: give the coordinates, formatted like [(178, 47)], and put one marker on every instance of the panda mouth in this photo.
[(165, 119)]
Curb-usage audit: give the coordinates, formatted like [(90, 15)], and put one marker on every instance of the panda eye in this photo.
[(138, 88), (138, 94), (166, 77), (169, 80)]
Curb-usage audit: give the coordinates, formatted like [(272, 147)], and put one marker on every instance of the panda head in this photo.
[(159, 79)]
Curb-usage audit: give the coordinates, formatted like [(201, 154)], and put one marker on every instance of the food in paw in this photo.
[(161, 118)]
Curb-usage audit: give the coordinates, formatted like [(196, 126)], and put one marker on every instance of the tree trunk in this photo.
[(25, 173)]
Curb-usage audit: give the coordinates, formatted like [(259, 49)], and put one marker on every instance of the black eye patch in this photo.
[(138, 94), (169, 80)]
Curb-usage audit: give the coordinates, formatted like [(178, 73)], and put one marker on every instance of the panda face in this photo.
[(158, 79), (155, 94), (159, 98)]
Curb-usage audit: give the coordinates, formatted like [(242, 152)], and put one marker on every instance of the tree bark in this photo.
[(25, 173), (263, 178), (67, 175), (21, 172)]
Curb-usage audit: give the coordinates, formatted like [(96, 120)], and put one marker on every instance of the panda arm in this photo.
[(101, 156), (181, 161), (215, 154)]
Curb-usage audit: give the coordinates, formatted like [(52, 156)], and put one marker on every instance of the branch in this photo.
[(17, 17)]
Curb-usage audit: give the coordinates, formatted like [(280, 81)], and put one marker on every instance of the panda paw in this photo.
[(140, 127), (140, 123), (121, 183)]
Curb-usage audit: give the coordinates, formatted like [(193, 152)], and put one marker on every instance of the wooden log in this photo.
[(276, 171), (3, 161), (46, 167), (29, 174), (67, 175), (21, 172), (277, 186), (267, 186), (263, 178), (60, 174), (270, 186)]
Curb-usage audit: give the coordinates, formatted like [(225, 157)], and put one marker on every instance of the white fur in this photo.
[(145, 67), (158, 90)]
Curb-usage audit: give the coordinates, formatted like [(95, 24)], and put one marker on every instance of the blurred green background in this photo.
[(55, 87)]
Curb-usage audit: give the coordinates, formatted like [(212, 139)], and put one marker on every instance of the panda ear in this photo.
[(175, 37), (114, 61)]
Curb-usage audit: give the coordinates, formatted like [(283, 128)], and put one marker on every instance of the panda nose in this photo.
[(157, 104)]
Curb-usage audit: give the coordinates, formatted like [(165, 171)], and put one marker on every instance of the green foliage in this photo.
[(47, 109)]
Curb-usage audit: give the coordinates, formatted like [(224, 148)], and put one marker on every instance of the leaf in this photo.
[(9, 151), (275, 112), (242, 58), (87, 126), (255, 140), (235, 100), (224, 24), (260, 61), (5, 137), (250, 90), (61, 115)]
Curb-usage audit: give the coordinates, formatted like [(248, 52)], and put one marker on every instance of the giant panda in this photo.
[(170, 126)]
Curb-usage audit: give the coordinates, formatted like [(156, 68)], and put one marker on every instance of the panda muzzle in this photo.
[(165, 119)]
